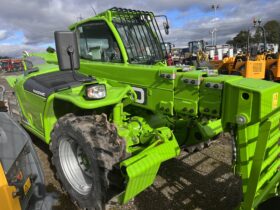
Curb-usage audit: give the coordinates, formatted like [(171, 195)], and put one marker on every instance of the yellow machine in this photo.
[(224, 66), (7, 193), (242, 65), (245, 66), (272, 67), (250, 65), (21, 176), (197, 56)]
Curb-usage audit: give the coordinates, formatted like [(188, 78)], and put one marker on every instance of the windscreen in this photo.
[(97, 43), (196, 46), (141, 36)]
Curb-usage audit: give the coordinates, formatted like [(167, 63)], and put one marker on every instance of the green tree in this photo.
[(240, 40), (258, 36), (272, 28)]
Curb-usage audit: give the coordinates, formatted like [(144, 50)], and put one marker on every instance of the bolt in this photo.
[(168, 76), (216, 86), (162, 108), (241, 120), (191, 111), (185, 109), (186, 81), (207, 85), (206, 110), (193, 82), (167, 110)]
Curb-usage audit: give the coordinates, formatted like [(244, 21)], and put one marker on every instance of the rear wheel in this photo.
[(223, 70), (269, 75), (85, 150), (236, 73)]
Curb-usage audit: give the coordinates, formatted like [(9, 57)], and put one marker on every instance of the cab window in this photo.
[(97, 43)]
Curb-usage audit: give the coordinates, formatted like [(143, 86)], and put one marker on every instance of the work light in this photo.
[(96, 91)]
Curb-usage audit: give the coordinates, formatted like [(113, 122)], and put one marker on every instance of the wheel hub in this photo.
[(75, 166), (83, 161)]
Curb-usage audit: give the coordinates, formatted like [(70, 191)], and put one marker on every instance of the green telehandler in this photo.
[(109, 136)]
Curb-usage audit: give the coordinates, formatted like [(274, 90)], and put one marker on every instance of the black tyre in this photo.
[(236, 73), (269, 76), (223, 70), (85, 150)]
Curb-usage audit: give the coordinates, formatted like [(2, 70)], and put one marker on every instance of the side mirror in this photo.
[(166, 27), (50, 50), (165, 24), (67, 50)]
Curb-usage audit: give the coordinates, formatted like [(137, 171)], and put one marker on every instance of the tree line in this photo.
[(272, 29)]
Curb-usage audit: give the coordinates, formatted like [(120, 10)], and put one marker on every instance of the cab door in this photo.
[(126, 54)]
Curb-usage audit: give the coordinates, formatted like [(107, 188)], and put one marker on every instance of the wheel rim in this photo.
[(72, 169)]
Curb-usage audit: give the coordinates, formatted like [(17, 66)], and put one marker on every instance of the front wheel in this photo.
[(85, 150)]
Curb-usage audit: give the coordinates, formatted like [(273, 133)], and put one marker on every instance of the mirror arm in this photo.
[(166, 26), (70, 51)]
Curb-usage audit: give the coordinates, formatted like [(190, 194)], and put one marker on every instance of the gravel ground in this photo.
[(200, 181)]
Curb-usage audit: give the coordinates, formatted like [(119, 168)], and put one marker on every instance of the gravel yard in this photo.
[(203, 180)]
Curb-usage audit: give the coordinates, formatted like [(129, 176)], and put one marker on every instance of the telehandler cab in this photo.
[(110, 136), (197, 55)]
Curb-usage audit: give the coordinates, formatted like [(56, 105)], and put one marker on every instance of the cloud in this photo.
[(235, 17), (3, 34), (38, 19), (16, 50)]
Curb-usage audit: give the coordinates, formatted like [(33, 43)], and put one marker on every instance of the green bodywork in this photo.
[(256, 102), (40, 116), (195, 105), (172, 102), (148, 146)]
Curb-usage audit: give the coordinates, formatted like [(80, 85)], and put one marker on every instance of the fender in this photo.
[(12, 80), (115, 95)]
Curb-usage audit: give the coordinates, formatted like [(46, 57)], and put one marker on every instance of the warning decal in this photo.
[(275, 100)]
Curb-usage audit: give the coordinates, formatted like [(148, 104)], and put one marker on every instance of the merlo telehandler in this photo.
[(109, 136)]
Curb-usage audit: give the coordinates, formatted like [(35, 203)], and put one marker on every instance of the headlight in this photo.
[(96, 91)]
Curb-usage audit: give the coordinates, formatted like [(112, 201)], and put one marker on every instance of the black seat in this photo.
[(45, 84)]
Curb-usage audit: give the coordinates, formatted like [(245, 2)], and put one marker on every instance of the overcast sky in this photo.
[(29, 24)]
